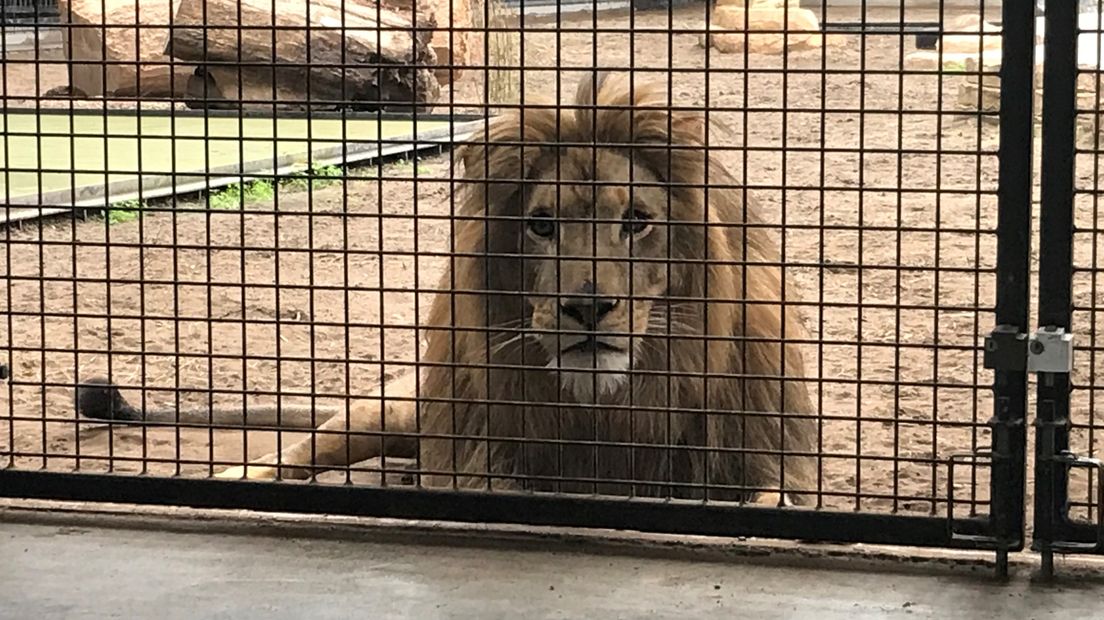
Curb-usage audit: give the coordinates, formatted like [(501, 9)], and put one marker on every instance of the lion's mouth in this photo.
[(590, 344)]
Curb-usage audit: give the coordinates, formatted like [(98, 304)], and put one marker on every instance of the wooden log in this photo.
[(329, 51)]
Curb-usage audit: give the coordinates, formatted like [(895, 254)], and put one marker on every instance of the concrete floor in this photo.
[(51, 570)]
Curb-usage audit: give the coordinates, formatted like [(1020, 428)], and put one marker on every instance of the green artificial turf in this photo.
[(52, 152)]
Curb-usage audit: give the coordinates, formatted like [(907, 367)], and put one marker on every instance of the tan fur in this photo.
[(498, 405)]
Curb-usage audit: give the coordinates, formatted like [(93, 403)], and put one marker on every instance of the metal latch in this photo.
[(1006, 349), (1050, 350)]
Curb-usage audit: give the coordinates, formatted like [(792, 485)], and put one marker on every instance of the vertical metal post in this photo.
[(1013, 269), (1055, 266)]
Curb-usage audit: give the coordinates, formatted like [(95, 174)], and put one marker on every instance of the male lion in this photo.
[(606, 324)]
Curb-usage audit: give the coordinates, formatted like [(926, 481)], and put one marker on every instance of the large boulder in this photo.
[(115, 31), (759, 28), (450, 23), (117, 49), (326, 53)]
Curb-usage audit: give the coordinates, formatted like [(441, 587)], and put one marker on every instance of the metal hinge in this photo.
[(1049, 350)]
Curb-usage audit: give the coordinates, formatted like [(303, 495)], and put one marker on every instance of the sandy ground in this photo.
[(891, 249)]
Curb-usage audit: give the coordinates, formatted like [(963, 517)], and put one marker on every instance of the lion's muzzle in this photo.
[(588, 312), (590, 323)]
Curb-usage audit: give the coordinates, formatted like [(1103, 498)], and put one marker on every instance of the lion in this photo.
[(610, 322)]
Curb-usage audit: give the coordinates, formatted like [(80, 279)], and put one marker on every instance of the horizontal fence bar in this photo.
[(501, 508)]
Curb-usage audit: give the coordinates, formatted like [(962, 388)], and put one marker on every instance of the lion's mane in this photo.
[(718, 402)]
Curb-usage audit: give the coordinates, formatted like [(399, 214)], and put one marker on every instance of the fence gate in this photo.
[(1068, 434), (935, 432)]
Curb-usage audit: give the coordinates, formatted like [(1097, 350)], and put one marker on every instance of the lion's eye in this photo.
[(541, 224), (636, 222)]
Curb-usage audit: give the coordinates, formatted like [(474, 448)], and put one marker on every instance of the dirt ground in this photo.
[(891, 250)]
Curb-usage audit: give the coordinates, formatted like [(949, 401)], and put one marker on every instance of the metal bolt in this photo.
[(1037, 347)]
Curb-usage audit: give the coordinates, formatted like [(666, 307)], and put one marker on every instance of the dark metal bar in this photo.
[(1055, 266), (1007, 476), (472, 507)]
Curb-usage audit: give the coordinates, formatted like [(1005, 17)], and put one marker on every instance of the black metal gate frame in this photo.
[(1054, 531), (1000, 531)]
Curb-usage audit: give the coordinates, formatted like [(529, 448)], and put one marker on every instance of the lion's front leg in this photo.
[(344, 439)]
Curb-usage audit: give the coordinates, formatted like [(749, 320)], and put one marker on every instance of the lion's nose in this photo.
[(588, 311)]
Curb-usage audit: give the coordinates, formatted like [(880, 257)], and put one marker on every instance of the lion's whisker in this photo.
[(497, 348), (513, 324), (513, 340), (663, 322)]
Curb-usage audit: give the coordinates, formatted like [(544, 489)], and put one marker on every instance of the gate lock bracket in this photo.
[(1006, 349), (1071, 460), (1049, 350)]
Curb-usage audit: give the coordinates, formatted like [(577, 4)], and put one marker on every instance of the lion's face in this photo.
[(595, 245)]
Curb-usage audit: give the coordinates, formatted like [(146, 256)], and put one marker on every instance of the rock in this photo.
[(759, 4), (926, 60), (64, 91), (109, 32), (340, 52), (452, 40), (970, 43), (759, 29), (88, 46), (449, 22)]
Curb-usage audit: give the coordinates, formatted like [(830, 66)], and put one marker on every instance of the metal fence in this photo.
[(28, 12), (708, 278), (1068, 491)]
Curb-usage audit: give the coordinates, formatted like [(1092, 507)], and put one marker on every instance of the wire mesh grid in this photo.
[(1085, 432), (566, 318)]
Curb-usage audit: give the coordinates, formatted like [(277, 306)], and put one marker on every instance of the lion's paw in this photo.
[(774, 500), (252, 472)]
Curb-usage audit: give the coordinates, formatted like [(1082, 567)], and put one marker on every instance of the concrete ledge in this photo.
[(762, 552), (110, 566)]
